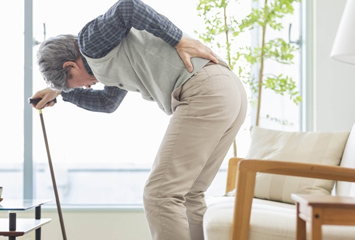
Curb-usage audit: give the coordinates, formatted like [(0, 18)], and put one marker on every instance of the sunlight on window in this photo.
[(91, 144), (111, 153), (11, 97), (11, 48), (133, 133)]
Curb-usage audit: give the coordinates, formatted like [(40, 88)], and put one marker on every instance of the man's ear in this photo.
[(70, 64)]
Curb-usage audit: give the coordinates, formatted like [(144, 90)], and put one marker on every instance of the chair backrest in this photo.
[(348, 160)]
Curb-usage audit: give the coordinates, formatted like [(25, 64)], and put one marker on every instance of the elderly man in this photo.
[(133, 48)]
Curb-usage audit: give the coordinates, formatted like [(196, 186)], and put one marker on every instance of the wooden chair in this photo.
[(242, 176)]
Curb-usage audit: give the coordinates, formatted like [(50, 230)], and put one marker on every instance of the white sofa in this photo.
[(242, 216)]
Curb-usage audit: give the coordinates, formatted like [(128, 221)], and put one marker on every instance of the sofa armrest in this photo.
[(245, 185)]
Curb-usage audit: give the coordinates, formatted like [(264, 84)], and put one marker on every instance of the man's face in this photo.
[(75, 81), (77, 75)]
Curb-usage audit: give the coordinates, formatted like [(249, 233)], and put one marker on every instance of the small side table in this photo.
[(322, 210), (14, 227)]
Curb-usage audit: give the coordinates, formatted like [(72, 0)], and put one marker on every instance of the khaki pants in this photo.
[(209, 109)]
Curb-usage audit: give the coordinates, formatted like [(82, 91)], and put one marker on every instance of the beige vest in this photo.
[(146, 64)]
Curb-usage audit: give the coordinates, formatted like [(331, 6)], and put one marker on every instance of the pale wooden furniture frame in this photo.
[(242, 175), (322, 210)]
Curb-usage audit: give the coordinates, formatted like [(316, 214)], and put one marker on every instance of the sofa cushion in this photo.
[(348, 160), (308, 147), (269, 221)]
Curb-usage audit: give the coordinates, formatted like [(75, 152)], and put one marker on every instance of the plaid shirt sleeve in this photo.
[(106, 100), (105, 32)]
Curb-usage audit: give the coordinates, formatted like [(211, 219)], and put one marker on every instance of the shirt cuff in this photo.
[(173, 35)]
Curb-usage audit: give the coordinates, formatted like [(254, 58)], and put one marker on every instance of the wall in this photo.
[(333, 83)]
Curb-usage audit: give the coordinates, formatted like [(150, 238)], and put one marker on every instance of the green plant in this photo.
[(221, 22)]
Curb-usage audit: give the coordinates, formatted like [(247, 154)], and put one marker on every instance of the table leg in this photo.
[(12, 224), (316, 224), (38, 216), (12, 221), (301, 226)]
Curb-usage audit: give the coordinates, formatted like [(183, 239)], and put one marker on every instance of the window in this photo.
[(12, 99), (280, 112), (98, 158)]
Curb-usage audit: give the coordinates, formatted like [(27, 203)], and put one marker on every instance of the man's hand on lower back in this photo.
[(188, 48)]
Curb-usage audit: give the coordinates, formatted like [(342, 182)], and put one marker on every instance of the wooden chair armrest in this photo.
[(232, 173), (246, 176)]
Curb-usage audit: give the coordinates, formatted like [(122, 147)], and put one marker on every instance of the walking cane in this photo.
[(35, 101)]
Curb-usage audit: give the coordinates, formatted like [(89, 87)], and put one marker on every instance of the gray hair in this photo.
[(51, 56)]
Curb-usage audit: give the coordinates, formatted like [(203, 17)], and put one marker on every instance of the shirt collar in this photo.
[(86, 65)]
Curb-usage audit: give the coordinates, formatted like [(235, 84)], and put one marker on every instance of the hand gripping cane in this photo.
[(35, 101)]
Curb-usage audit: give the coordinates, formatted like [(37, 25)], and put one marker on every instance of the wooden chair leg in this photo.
[(243, 203)]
